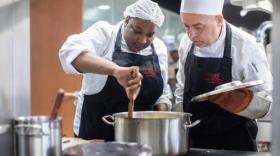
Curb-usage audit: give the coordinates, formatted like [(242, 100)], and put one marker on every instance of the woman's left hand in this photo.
[(162, 107)]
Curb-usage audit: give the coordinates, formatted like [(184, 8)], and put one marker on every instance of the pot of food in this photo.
[(108, 149), (38, 136), (165, 132)]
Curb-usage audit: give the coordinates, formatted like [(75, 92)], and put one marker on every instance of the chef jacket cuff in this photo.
[(259, 106), (69, 67)]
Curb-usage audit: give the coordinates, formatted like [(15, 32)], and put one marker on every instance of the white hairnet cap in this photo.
[(147, 10), (204, 7)]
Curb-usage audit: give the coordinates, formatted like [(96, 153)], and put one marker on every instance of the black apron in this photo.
[(219, 129), (113, 99)]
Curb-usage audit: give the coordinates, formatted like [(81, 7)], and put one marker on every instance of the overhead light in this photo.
[(104, 7)]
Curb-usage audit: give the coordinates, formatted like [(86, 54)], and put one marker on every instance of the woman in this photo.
[(113, 58)]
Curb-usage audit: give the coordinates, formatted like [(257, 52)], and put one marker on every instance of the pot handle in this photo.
[(104, 118), (186, 125)]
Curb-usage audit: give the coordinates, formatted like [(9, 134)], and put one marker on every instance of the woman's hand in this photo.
[(162, 107), (134, 85), (126, 74), (130, 78)]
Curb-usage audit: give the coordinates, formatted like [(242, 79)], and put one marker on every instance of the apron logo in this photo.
[(213, 78), (149, 72)]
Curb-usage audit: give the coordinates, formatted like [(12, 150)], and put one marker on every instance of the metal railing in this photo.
[(265, 26)]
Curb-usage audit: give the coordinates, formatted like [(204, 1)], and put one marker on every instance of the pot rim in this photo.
[(168, 115), (35, 119)]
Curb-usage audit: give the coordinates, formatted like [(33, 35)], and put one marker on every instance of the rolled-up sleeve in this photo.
[(256, 67), (183, 49), (94, 40)]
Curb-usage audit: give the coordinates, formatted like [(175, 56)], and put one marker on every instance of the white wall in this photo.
[(14, 67)]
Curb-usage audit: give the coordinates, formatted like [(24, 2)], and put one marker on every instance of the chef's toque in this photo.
[(147, 10), (204, 7)]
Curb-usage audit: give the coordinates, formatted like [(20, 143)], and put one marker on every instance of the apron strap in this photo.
[(187, 68), (227, 50), (118, 39), (153, 49)]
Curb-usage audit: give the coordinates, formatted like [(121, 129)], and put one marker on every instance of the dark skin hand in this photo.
[(89, 63), (134, 86), (162, 107)]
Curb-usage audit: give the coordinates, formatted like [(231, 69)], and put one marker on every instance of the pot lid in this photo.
[(234, 85)]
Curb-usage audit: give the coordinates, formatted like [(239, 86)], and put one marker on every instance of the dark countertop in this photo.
[(209, 152)]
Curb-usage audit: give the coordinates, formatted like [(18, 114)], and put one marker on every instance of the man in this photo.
[(174, 56), (214, 52), (112, 59), (173, 68)]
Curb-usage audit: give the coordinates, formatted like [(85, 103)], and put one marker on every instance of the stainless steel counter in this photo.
[(208, 152), (68, 142)]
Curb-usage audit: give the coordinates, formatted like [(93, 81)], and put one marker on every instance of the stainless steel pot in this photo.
[(38, 136), (165, 132)]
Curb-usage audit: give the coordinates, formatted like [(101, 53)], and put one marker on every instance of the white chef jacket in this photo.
[(100, 40), (249, 63)]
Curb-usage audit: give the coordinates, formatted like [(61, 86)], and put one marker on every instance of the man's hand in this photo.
[(233, 101)]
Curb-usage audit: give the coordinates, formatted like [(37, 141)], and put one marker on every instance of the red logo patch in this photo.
[(149, 72), (213, 78)]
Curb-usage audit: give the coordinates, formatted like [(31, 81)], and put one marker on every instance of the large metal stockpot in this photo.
[(38, 136), (165, 132)]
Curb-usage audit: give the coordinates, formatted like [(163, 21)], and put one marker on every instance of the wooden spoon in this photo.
[(132, 94), (130, 108), (131, 98)]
